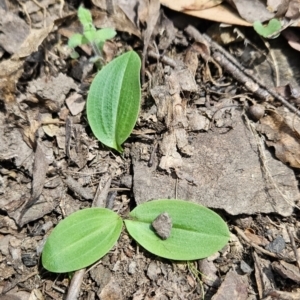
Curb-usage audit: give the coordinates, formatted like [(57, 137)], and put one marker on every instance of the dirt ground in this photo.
[(212, 129)]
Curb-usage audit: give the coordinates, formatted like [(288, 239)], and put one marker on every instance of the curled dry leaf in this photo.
[(282, 129)]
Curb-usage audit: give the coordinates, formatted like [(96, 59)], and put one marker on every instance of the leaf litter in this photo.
[(193, 140)]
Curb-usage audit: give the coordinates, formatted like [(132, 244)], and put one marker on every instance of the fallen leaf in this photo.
[(282, 129), (234, 286), (40, 168), (198, 4), (287, 270), (292, 37), (257, 239), (151, 20), (118, 20), (10, 38), (293, 9), (221, 13), (251, 11)]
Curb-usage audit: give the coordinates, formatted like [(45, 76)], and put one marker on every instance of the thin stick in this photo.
[(240, 73)]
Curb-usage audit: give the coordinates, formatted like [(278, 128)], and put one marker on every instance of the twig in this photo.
[(240, 73), (165, 59), (43, 8), (75, 285), (152, 155), (293, 244), (25, 12), (265, 167), (245, 238), (74, 186), (101, 194)]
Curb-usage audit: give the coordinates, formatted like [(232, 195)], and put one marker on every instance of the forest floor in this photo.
[(205, 133)]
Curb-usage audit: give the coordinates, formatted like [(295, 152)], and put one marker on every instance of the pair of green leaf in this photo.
[(114, 100), (85, 236), (90, 35), (269, 30)]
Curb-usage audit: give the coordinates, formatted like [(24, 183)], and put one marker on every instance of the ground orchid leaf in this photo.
[(273, 26), (114, 100), (81, 239), (197, 231)]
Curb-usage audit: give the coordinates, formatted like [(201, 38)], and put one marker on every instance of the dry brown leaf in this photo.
[(198, 4), (118, 20), (234, 286), (293, 10), (292, 38), (257, 239), (287, 270), (222, 13), (151, 20), (278, 6), (32, 42), (29, 133), (12, 69), (251, 11), (10, 38), (282, 129)]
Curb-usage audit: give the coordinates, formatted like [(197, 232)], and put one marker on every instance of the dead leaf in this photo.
[(252, 11), (52, 91), (75, 103), (282, 129), (287, 270), (263, 274), (221, 13), (198, 4), (292, 37), (234, 286), (10, 38), (32, 42), (279, 7), (283, 295), (151, 20), (118, 20), (12, 69), (209, 273), (293, 11), (29, 133), (111, 291), (40, 168), (257, 239)]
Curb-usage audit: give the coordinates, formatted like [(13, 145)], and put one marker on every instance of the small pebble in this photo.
[(132, 267), (276, 246), (245, 268), (256, 112), (163, 225)]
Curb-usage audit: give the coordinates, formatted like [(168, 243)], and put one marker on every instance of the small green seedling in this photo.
[(96, 38), (85, 236), (272, 30), (113, 101)]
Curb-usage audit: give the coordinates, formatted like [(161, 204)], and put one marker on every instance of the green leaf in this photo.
[(81, 239), (104, 34), (75, 40), (84, 16), (89, 34), (273, 26), (197, 231), (114, 99), (74, 55)]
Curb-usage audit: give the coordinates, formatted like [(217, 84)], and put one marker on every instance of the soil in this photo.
[(195, 139)]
